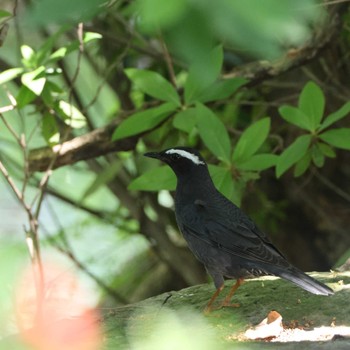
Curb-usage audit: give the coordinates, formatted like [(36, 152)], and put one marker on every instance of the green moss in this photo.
[(256, 298)]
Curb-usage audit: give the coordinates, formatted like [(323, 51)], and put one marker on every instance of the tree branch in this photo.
[(322, 36), (88, 146)]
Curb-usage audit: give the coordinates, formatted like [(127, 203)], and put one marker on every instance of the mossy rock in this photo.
[(177, 319)]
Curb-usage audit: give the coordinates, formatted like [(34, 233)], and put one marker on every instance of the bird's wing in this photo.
[(229, 229)]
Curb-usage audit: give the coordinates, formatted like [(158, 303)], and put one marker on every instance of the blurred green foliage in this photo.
[(262, 28), (164, 73)]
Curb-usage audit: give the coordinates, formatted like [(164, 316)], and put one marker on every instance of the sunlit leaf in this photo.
[(57, 55), (312, 103), (161, 178), (153, 84), (339, 138), (143, 121), (34, 80), (251, 140), (213, 132), (10, 74), (292, 154), (72, 116), (27, 52), (89, 36)]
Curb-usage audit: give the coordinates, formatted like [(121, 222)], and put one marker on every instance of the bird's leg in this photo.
[(209, 307), (227, 300)]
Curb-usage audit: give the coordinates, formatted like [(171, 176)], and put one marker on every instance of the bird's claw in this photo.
[(209, 309)]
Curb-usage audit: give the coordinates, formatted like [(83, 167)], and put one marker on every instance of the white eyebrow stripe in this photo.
[(186, 154)]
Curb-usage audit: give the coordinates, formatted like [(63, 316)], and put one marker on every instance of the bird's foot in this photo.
[(230, 305), (209, 309)]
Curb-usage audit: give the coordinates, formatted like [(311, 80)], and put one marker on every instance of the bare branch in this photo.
[(90, 145), (322, 36)]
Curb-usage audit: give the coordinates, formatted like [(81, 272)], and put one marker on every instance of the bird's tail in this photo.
[(304, 281)]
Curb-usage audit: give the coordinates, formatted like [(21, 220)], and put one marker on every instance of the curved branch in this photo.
[(93, 144)]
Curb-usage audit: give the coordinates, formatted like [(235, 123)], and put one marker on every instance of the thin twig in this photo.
[(68, 251), (80, 33), (6, 109), (168, 62), (104, 79), (13, 186), (331, 185), (45, 179)]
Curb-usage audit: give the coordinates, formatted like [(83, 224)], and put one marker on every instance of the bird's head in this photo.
[(183, 160)]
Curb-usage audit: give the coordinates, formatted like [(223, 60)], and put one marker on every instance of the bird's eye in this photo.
[(175, 156)]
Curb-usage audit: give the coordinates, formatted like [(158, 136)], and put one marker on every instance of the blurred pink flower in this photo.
[(55, 316)]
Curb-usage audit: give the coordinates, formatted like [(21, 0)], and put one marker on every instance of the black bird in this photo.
[(221, 235)]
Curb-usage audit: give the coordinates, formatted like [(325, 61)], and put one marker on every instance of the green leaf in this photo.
[(167, 13), (302, 165), (44, 53), (251, 140), (213, 132), (259, 162), (50, 130), (327, 150), (312, 103), (89, 36), (339, 138), (292, 154), (71, 115), (221, 89), (295, 116), (57, 55), (49, 12), (153, 84), (4, 13), (222, 179), (45, 49), (161, 178), (224, 182), (335, 116), (203, 74), (27, 53), (143, 121), (10, 74), (34, 80), (24, 97), (317, 156), (185, 120)]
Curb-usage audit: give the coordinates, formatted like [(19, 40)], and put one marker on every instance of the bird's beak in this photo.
[(153, 155)]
